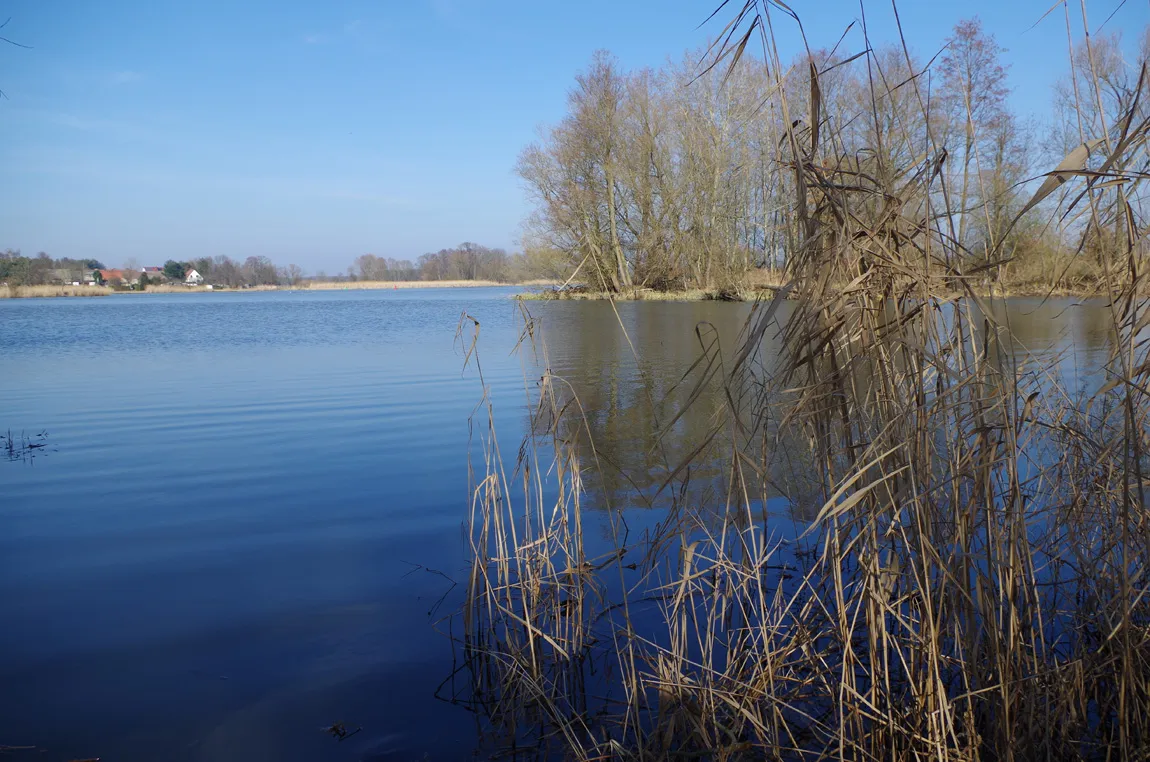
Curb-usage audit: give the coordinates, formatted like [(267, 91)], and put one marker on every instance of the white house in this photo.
[(193, 278)]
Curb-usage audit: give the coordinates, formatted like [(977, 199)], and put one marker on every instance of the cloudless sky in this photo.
[(314, 132)]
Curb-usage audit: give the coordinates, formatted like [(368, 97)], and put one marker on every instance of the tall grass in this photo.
[(972, 583), (20, 292)]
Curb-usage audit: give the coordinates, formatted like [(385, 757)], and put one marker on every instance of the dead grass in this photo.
[(1059, 274), (758, 284), (1053, 271), (29, 292)]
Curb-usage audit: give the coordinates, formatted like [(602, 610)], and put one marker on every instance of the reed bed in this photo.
[(29, 292), (972, 581)]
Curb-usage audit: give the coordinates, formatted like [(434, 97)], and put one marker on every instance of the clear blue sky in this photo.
[(315, 132)]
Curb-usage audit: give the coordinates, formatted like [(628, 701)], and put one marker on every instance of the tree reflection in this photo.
[(636, 410), (644, 395)]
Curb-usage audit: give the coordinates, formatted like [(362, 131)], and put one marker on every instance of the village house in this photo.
[(193, 278), (125, 277), (107, 275)]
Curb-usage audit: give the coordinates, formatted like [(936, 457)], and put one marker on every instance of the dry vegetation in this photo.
[(672, 179), (972, 584), (756, 284), (19, 292)]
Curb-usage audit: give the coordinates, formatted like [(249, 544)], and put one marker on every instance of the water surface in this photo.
[(227, 546)]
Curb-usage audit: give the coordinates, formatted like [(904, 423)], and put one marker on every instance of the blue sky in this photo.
[(315, 132)]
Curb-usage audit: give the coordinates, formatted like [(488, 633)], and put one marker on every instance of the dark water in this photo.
[(225, 548)]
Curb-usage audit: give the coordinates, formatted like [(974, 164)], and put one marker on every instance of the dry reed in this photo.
[(29, 292), (972, 584)]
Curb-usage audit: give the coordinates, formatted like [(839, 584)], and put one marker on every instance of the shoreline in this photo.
[(767, 293), (53, 292), (650, 295)]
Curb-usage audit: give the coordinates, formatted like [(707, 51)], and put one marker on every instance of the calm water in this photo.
[(224, 549)]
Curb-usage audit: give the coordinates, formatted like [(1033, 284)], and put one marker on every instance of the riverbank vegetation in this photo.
[(32, 292), (672, 178), (921, 543)]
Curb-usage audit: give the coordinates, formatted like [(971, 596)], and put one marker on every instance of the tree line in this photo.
[(682, 176), (468, 261)]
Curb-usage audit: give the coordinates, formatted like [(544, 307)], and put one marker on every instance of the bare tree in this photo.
[(974, 100), (226, 272), (259, 271), (654, 178), (574, 175), (369, 267)]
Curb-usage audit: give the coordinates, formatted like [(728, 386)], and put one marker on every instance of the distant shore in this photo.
[(33, 292)]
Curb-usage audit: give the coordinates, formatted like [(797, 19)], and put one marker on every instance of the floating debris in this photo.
[(340, 732)]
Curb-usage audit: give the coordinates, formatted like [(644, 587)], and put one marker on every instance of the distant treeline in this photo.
[(468, 261), (681, 177)]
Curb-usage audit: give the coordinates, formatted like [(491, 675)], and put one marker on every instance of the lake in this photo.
[(250, 505)]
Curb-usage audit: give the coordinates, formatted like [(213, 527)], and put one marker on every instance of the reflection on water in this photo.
[(216, 562), (1070, 337), (634, 372)]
